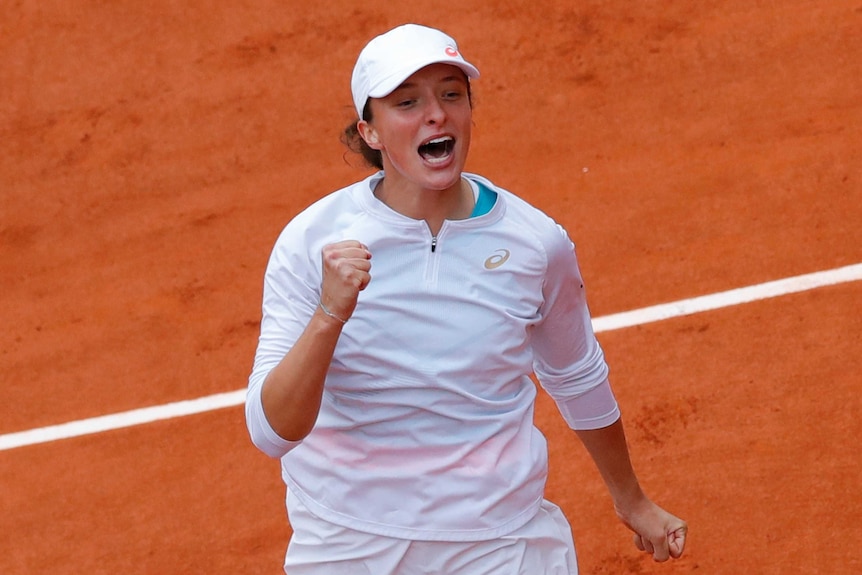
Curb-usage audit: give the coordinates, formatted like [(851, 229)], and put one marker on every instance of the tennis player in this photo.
[(403, 317)]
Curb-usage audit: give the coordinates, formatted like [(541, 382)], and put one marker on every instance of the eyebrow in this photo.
[(408, 85)]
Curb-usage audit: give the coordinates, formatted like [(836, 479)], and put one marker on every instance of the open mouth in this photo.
[(437, 149)]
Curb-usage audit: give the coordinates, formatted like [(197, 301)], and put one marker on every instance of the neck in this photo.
[(433, 206)]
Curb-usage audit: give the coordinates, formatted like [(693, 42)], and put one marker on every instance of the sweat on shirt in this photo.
[(426, 429)]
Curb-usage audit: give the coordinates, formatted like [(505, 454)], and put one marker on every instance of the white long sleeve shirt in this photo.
[(426, 425)]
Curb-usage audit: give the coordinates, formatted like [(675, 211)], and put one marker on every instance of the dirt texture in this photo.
[(150, 153)]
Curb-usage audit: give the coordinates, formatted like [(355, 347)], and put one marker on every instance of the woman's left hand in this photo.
[(655, 530)]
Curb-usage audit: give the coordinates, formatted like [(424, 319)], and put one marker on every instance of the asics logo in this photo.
[(497, 259)]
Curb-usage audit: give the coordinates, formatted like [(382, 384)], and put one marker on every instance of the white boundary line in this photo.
[(728, 298), (121, 420), (605, 323)]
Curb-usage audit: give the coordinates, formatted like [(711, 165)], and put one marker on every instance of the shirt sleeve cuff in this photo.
[(262, 434), (593, 409)]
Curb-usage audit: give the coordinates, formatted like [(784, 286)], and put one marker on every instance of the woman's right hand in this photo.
[(346, 272), (292, 391)]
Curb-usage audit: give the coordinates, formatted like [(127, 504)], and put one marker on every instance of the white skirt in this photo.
[(543, 546)]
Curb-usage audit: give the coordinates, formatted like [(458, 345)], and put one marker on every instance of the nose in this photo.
[(434, 112)]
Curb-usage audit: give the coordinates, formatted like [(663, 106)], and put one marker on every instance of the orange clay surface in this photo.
[(152, 151)]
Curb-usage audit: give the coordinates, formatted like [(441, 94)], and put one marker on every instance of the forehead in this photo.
[(434, 73)]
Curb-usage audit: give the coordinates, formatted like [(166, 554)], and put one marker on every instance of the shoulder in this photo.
[(345, 200), (321, 222), (523, 216), (298, 246)]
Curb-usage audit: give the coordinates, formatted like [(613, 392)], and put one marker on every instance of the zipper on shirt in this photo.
[(432, 263)]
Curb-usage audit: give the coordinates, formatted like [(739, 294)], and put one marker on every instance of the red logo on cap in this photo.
[(451, 51)]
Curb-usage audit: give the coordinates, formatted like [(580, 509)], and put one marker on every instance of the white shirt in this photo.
[(426, 425)]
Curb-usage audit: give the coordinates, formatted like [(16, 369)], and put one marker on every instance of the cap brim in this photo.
[(388, 85)]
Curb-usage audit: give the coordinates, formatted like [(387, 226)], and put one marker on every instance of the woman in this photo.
[(402, 406)]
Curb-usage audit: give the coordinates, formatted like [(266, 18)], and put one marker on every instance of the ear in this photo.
[(369, 134)]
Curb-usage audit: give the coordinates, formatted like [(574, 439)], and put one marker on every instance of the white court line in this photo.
[(121, 420), (605, 323), (728, 298)]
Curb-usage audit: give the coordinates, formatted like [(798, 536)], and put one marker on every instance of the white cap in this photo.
[(389, 59)]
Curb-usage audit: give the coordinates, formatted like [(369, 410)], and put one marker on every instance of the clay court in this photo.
[(152, 152)]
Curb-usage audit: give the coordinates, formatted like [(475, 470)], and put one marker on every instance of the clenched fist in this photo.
[(346, 272)]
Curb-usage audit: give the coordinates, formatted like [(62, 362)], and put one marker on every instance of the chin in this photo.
[(443, 178), (442, 182)]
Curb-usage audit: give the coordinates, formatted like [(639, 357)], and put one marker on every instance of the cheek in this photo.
[(467, 131), (399, 156), (465, 137), (398, 143)]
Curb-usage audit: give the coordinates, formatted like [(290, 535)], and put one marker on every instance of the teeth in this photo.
[(438, 149)]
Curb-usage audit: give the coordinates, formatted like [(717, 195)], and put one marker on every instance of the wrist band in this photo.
[(329, 313)]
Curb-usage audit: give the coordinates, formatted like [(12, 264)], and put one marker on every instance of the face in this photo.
[(423, 128)]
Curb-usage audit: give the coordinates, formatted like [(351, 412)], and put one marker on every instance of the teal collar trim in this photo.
[(486, 200)]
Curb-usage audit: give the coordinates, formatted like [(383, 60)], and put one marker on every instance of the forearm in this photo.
[(292, 391), (608, 448), (655, 530)]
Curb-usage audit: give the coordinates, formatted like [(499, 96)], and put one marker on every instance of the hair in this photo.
[(354, 142)]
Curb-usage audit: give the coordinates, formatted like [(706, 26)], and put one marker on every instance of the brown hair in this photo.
[(354, 142)]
